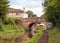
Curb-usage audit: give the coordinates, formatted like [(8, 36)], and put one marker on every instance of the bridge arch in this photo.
[(30, 25), (30, 28), (36, 25), (33, 26)]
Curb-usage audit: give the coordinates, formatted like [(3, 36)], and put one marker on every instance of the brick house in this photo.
[(17, 13)]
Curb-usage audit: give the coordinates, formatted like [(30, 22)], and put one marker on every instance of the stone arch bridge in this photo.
[(28, 22)]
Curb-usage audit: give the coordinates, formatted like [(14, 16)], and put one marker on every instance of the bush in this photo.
[(10, 31), (8, 28), (1, 24), (57, 23), (19, 19), (9, 21)]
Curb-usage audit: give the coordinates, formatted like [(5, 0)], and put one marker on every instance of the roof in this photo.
[(12, 10)]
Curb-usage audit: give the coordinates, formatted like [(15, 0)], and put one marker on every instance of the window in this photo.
[(17, 13)]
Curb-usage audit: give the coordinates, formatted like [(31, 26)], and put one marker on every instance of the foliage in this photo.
[(11, 29), (40, 28), (30, 14), (3, 8), (1, 24), (35, 38), (11, 33), (9, 21), (54, 35), (19, 19), (52, 11)]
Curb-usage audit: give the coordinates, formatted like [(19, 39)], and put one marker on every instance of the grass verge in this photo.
[(11, 34), (54, 35)]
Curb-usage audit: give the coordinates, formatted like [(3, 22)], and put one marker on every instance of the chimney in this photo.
[(23, 9)]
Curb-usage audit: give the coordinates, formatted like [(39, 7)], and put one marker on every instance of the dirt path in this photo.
[(44, 38)]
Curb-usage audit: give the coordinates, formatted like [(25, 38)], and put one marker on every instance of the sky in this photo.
[(33, 5)]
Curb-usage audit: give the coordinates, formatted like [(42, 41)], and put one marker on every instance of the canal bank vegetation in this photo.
[(9, 31), (37, 36), (52, 14), (54, 35)]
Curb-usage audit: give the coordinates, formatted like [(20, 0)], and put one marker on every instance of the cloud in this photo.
[(33, 5), (37, 11)]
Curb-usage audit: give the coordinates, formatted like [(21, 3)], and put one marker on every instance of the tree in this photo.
[(52, 11), (3, 8), (30, 14)]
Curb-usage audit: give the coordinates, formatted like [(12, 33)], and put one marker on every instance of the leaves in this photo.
[(3, 8), (52, 11), (30, 14)]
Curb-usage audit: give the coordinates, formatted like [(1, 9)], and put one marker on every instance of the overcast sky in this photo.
[(33, 5)]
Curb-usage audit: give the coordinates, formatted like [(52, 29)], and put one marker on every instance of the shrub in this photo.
[(9, 21), (12, 20), (1, 24), (11, 31), (57, 23)]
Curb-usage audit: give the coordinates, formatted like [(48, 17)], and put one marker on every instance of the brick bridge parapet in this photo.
[(27, 21)]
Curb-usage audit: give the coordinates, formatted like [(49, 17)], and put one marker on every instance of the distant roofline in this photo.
[(13, 10)]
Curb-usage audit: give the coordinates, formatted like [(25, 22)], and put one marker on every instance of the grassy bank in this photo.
[(10, 31), (11, 34), (54, 35)]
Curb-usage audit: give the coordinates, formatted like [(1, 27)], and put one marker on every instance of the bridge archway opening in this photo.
[(30, 25), (33, 28), (36, 25), (30, 29)]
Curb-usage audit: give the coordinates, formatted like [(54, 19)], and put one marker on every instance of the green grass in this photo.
[(10, 31), (35, 38), (54, 35)]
